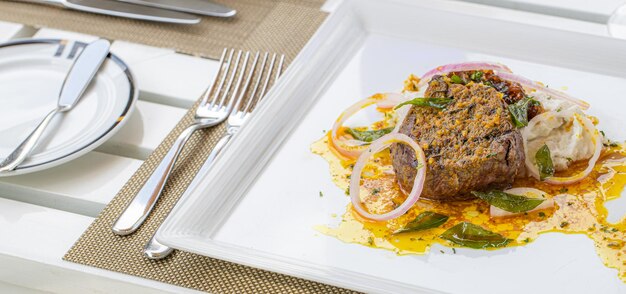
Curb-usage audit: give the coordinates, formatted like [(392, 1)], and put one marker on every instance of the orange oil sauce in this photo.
[(579, 209)]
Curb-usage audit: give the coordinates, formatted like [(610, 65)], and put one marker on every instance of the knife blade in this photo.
[(203, 7), (127, 10)]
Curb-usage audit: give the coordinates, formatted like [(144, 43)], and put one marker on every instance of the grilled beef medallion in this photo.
[(471, 144)]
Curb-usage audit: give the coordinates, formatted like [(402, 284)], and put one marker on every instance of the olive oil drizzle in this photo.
[(579, 209)]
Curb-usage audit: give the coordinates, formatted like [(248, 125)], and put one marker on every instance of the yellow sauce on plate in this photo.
[(579, 209)]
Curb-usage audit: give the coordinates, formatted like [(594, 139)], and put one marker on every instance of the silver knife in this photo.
[(203, 7), (81, 73), (126, 10)]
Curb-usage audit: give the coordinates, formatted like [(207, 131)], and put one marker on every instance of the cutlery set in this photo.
[(166, 11), (238, 87), (240, 84), (230, 99)]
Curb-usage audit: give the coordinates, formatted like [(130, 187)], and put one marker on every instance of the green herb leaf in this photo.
[(439, 103), (519, 111), (544, 162), (476, 76), (509, 202), (491, 155), (473, 236), (456, 79), (425, 220), (370, 135)]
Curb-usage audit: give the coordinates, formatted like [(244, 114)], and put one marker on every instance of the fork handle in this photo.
[(154, 249), (140, 207)]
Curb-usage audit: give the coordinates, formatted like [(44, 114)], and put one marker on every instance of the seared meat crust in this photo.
[(470, 145)]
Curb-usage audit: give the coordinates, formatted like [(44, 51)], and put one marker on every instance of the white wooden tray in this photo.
[(259, 203)]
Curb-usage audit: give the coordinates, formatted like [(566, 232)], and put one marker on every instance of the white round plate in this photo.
[(31, 75)]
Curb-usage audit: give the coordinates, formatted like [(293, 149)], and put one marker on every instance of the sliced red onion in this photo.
[(464, 66), (588, 125), (376, 146), (526, 83), (528, 192), (353, 148)]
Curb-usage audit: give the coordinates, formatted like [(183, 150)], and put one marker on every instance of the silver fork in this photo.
[(209, 113), (236, 119)]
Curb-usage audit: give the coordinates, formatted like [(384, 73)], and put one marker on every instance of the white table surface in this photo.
[(43, 214)]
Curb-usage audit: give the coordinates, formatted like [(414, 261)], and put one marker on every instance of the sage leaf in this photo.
[(544, 162), (473, 236), (369, 135), (509, 202), (424, 221), (456, 79), (439, 103), (519, 111), (476, 76)]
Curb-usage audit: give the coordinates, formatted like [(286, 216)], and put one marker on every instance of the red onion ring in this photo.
[(526, 83), (353, 148), (464, 66), (376, 146), (588, 125), (524, 191)]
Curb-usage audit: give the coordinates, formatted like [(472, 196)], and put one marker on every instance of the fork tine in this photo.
[(279, 71), (247, 83), (256, 83), (208, 93), (267, 78), (233, 72), (236, 90), (223, 74)]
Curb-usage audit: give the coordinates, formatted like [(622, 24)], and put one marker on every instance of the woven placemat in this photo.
[(275, 26), (289, 22)]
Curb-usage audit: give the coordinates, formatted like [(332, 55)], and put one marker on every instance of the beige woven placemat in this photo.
[(291, 22), (275, 26)]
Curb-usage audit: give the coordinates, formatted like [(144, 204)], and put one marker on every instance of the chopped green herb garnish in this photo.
[(564, 224), (519, 111), (347, 191), (563, 190), (456, 79), (453, 250), (369, 135), (439, 103), (476, 76), (491, 155), (473, 236), (375, 191), (602, 132), (542, 214), (526, 240), (544, 162), (321, 194), (370, 241), (509, 202), (425, 220)]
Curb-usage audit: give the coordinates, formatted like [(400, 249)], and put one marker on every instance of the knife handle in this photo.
[(48, 2)]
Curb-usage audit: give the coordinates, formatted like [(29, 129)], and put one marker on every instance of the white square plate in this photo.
[(258, 204)]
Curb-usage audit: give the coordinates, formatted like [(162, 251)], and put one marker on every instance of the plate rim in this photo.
[(131, 101)]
